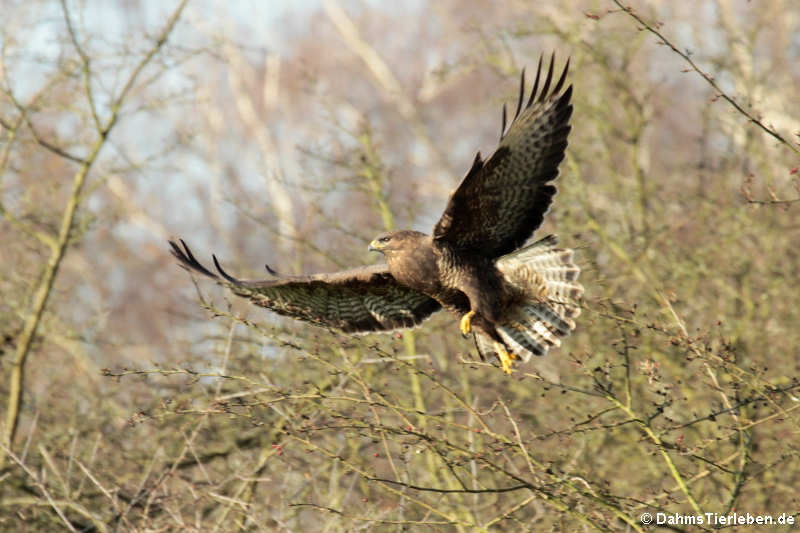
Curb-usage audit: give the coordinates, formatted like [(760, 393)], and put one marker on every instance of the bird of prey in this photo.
[(516, 301)]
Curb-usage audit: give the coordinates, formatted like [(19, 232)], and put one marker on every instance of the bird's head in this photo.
[(383, 243), (393, 241)]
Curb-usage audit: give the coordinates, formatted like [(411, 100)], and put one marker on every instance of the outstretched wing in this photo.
[(357, 300), (502, 200)]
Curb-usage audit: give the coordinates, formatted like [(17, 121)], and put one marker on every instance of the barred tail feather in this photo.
[(534, 315), (536, 340), (542, 328), (537, 329), (536, 326)]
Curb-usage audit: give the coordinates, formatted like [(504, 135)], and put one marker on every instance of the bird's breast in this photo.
[(418, 269)]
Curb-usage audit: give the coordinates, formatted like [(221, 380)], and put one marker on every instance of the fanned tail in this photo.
[(548, 275)]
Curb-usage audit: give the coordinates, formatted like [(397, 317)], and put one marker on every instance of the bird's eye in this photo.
[(384, 239)]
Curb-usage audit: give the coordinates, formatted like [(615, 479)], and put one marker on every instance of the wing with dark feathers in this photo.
[(502, 200), (357, 300)]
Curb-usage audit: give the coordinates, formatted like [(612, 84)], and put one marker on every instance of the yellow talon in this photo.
[(466, 323), (505, 357)]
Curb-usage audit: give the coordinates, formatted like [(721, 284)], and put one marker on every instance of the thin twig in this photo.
[(722, 94)]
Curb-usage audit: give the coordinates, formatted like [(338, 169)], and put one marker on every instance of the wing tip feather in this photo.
[(222, 272), (535, 88), (187, 259), (503, 125), (563, 78), (537, 96), (521, 96), (546, 87)]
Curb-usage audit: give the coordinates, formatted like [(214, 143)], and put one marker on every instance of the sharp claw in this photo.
[(506, 358), (466, 323)]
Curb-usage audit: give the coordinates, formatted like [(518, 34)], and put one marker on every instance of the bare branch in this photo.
[(709, 79), (45, 286)]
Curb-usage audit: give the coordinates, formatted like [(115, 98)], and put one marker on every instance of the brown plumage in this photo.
[(516, 302)]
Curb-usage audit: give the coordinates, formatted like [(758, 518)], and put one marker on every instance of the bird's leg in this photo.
[(466, 323), (505, 357)]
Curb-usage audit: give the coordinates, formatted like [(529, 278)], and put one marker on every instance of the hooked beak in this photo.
[(375, 246)]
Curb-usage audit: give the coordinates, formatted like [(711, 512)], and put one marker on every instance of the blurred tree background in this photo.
[(291, 134)]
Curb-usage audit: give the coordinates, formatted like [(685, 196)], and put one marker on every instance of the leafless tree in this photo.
[(136, 400)]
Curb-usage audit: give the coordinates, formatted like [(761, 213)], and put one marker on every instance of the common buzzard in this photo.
[(515, 301)]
